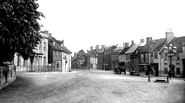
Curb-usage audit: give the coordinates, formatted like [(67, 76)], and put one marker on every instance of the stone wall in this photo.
[(7, 75)]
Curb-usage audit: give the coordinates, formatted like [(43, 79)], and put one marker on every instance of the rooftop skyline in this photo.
[(83, 23)]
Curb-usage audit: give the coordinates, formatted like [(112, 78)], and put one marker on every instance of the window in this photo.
[(127, 57), (151, 55), (178, 57), (57, 64), (165, 60), (40, 46), (146, 57), (44, 46), (18, 61), (177, 71), (24, 63), (44, 60), (142, 58), (155, 56)]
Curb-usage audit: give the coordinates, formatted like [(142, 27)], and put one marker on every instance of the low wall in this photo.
[(7, 75)]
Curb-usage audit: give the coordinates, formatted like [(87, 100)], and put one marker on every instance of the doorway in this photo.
[(183, 62)]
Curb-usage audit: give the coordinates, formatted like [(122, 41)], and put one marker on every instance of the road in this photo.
[(90, 86)]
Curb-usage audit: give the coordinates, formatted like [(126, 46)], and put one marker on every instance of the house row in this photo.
[(150, 57), (49, 55), (142, 58), (104, 58)]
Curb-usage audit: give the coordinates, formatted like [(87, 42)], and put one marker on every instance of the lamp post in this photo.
[(170, 51), (65, 61)]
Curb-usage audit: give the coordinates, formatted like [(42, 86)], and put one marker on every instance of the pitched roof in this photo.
[(135, 53), (177, 41), (132, 49), (123, 51), (158, 45), (66, 50), (55, 47), (146, 47)]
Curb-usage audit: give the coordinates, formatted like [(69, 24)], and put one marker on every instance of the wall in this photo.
[(9, 72)]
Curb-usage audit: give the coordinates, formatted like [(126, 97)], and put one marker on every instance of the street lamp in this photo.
[(170, 51), (65, 61)]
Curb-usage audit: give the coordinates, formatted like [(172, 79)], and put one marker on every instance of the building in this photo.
[(122, 56), (144, 57), (49, 55), (178, 60), (80, 60), (100, 58), (115, 56), (94, 59), (59, 56), (132, 56), (40, 58)]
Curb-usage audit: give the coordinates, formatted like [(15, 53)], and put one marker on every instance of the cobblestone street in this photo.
[(90, 86)]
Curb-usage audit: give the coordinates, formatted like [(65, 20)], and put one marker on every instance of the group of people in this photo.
[(119, 69)]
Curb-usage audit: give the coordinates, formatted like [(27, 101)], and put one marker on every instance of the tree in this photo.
[(19, 28)]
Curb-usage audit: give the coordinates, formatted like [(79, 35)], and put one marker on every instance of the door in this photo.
[(183, 62)]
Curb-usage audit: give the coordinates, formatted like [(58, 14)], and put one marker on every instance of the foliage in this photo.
[(19, 28)]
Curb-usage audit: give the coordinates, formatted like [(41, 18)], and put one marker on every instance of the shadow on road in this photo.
[(18, 84)]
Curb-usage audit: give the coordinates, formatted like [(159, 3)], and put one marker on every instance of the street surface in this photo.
[(90, 86)]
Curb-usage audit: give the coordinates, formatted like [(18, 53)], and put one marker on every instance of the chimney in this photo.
[(123, 45), (91, 48), (97, 47), (148, 39), (142, 41), (102, 46), (169, 35), (75, 54), (132, 43), (87, 51), (53, 43), (126, 45), (62, 43), (183, 47)]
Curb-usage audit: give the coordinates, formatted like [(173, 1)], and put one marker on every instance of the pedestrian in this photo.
[(170, 74)]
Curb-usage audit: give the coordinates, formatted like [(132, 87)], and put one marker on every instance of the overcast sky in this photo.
[(85, 23)]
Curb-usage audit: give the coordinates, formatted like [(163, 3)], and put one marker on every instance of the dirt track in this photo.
[(90, 86)]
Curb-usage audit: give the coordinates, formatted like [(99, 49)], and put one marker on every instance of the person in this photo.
[(172, 66), (124, 70), (170, 73)]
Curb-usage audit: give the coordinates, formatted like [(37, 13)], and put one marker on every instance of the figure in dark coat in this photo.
[(170, 73)]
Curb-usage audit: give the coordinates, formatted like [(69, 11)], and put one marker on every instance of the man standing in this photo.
[(170, 73)]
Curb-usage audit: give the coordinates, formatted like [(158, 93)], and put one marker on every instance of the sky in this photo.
[(85, 23)]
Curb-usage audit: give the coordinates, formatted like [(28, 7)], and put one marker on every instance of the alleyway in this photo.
[(90, 86)]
